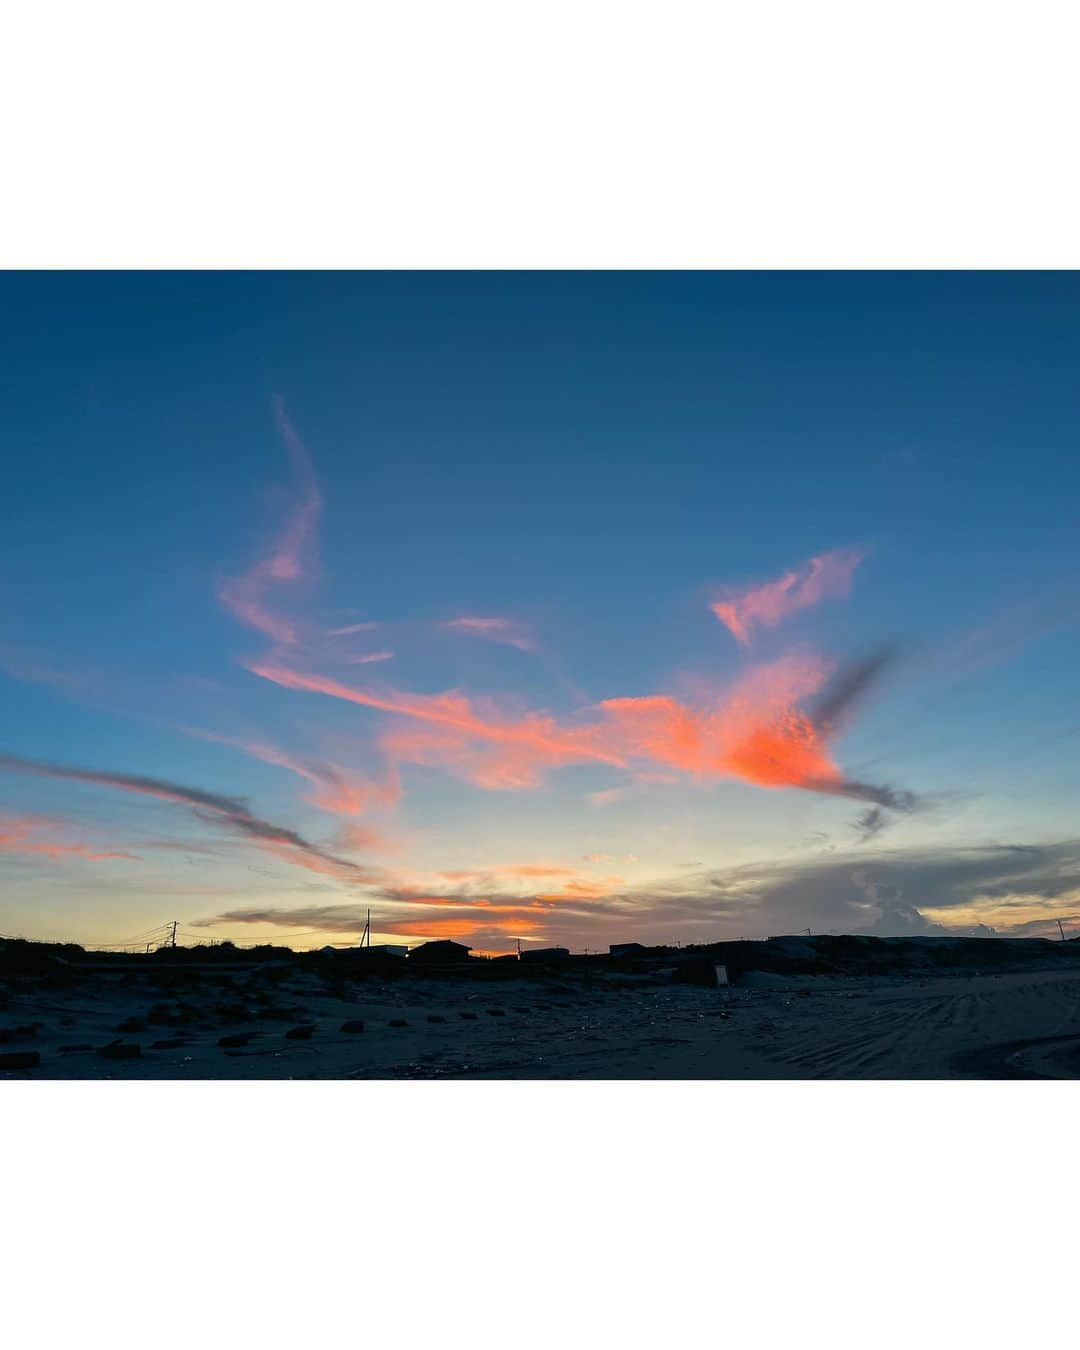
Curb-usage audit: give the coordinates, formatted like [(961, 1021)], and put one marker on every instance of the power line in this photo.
[(128, 941)]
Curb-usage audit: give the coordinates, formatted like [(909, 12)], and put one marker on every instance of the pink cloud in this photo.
[(35, 835), (369, 658), (362, 837), (490, 746), (767, 605), (337, 791), (245, 597), (352, 628), (755, 731), (510, 632), (472, 906)]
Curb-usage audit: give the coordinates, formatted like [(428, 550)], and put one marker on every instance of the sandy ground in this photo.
[(982, 1026)]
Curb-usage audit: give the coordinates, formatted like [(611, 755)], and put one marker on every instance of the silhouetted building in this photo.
[(439, 953), (625, 948), (543, 953)]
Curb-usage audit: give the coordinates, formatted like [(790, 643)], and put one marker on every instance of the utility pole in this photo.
[(1061, 930), (173, 942)]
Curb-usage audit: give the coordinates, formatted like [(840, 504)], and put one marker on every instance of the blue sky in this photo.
[(535, 487)]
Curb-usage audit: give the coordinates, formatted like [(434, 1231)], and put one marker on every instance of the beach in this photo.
[(275, 1022)]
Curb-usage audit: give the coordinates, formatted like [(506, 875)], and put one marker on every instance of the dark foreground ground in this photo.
[(829, 1007)]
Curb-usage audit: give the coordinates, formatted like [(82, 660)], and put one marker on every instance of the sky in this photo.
[(539, 608)]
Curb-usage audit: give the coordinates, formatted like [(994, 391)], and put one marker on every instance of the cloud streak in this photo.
[(1010, 889), (759, 731), (755, 730), (349, 629), (336, 791), (510, 632), (766, 605), (369, 658), (229, 813), (518, 748), (245, 597)]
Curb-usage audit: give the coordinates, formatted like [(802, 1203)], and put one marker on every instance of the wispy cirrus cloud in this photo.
[(482, 886), (485, 874), (350, 628), (515, 749), (487, 919), (70, 682), (362, 837), (229, 813), (756, 730), (760, 731), (496, 926), (767, 604), (369, 658), (336, 790), (326, 918), (510, 632), (246, 596)]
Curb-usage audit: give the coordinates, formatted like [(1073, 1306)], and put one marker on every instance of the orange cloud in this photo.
[(490, 890), (507, 870), (517, 750), (765, 606), (757, 731), (584, 888), (485, 927), (458, 928), (754, 732), (435, 928)]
